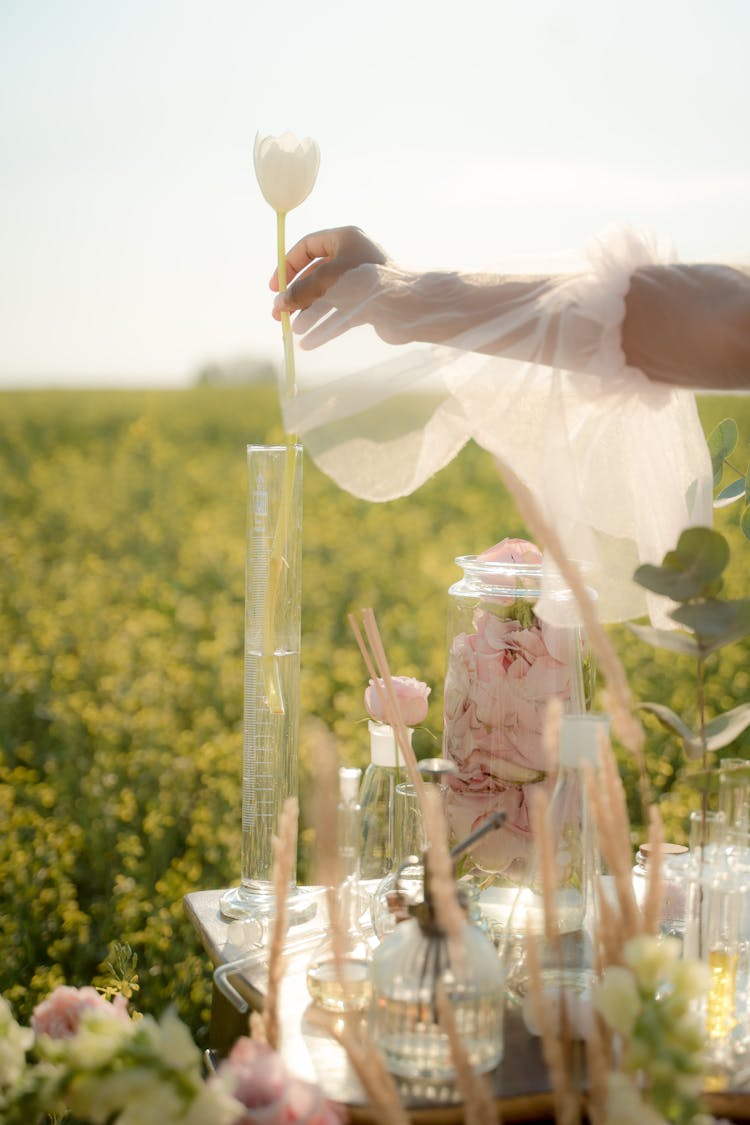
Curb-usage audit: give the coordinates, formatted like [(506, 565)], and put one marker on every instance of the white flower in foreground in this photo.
[(652, 959), (625, 1105), (616, 997), (286, 169), (691, 979), (14, 1043)]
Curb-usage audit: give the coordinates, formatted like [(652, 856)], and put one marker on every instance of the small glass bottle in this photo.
[(408, 966), (338, 976), (567, 961), (378, 802)]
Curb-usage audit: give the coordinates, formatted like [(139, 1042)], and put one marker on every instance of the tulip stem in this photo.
[(290, 383), (278, 564)]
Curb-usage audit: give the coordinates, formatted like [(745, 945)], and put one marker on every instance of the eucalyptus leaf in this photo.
[(726, 727), (722, 442), (667, 717), (732, 492), (667, 638), (745, 523), (715, 623), (693, 569)]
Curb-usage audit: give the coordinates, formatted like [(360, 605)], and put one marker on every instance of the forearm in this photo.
[(690, 326), (523, 318), (687, 325)]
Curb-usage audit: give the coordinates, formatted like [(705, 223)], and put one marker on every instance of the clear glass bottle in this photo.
[(504, 665), (378, 802), (338, 975), (407, 967), (566, 961)]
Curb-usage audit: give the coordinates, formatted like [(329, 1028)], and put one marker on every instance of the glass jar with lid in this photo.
[(504, 665)]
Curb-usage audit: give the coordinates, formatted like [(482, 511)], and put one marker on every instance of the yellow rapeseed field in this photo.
[(121, 617)]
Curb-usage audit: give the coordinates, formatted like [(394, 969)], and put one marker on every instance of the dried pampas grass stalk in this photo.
[(258, 1027), (377, 667), (607, 799), (448, 913), (480, 1107), (284, 857), (653, 902), (629, 730), (598, 1065), (324, 819), (607, 938), (555, 1047), (540, 832), (322, 808), (369, 1066)]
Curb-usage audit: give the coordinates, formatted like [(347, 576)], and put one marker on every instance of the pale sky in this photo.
[(135, 245)]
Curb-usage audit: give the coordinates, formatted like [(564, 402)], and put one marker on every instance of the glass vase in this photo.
[(273, 612), (504, 666)]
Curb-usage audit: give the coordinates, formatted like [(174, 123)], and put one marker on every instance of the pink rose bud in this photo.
[(411, 695), (59, 1016), (512, 551)]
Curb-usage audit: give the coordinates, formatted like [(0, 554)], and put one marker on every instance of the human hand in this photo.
[(317, 262)]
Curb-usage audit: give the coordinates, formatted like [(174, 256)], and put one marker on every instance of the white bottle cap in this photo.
[(349, 779), (579, 739), (383, 748)]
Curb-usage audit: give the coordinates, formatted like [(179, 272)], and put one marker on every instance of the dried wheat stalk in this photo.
[(380, 674), (480, 1107), (554, 1048), (652, 904), (369, 1066), (448, 913), (620, 700)]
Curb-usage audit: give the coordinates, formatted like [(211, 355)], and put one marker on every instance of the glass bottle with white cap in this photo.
[(378, 802)]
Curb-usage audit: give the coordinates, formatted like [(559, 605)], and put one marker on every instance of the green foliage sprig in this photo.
[(692, 575), (722, 444)]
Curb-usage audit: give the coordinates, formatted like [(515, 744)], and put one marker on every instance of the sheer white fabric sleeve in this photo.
[(536, 375)]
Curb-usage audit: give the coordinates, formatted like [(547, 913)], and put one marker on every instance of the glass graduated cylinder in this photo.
[(269, 763)]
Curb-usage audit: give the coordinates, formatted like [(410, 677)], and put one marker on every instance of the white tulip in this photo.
[(286, 169)]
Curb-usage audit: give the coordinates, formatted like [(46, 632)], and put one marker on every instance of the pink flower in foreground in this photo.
[(258, 1079), (411, 695), (59, 1016)]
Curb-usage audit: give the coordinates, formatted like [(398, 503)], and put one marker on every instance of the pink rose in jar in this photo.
[(512, 551), (60, 1015), (411, 696)]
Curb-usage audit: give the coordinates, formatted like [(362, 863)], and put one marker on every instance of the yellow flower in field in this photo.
[(286, 169)]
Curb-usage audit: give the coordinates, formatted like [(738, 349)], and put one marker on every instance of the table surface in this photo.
[(520, 1082)]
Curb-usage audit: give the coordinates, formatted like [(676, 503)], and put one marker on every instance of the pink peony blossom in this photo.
[(258, 1079), (411, 695), (59, 1016)]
